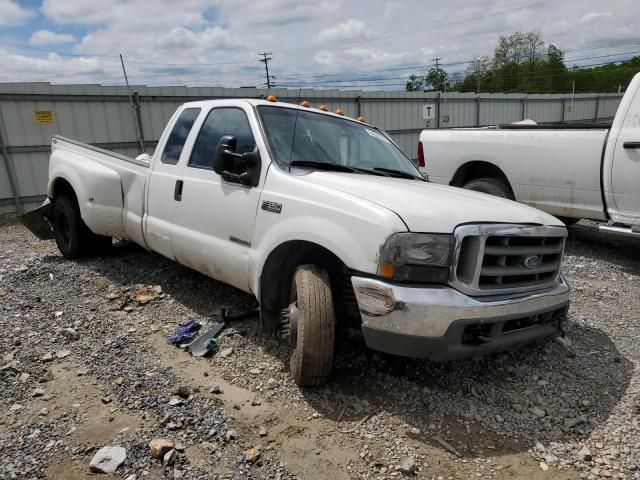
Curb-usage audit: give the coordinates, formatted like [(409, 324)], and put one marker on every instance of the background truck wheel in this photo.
[(309, 323), (72, 236), (492, 186)]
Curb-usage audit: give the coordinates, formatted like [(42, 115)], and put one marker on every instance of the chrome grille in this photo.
[(492, 259)]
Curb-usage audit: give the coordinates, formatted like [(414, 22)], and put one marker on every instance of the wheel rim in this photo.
[(290, 317)]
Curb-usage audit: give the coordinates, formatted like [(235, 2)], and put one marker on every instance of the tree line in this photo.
[(523, 63)]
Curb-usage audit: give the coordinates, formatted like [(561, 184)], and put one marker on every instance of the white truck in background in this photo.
[(326, 222), (571, 170)]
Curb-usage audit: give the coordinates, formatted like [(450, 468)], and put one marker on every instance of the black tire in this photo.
[(492, 186), (312, 355), (72, 236), (569, 222)]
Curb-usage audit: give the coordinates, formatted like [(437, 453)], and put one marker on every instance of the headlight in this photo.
[(418, 257)]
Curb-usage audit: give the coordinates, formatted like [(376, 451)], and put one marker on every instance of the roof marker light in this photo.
[(305, 103), (272, 98), (324, 108), (339, 111), (361, 119)]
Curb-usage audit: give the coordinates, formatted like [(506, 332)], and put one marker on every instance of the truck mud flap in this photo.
[(37, 221)]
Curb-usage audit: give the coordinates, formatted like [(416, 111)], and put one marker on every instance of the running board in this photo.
[(619, 231)]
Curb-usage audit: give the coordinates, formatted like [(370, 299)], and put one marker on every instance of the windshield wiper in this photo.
[(322, 165), (399, 173)]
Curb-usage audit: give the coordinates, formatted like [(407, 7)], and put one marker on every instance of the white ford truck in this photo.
[(326, 222), (573, 171)]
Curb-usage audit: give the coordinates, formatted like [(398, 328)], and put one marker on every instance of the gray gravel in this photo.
[(565, 405)]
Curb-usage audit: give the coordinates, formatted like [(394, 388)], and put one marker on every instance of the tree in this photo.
[(437, 78), (415, 83)]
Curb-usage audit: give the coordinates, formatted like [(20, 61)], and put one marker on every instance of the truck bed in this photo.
[(109, 186)]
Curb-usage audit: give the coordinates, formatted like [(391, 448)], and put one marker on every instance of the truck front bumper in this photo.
[(440, 323)]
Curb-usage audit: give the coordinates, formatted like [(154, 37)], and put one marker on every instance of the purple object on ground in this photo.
[(186, 332)]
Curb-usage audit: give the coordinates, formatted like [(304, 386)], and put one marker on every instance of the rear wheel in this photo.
[(492, 186), (309, 324), (72, 236)]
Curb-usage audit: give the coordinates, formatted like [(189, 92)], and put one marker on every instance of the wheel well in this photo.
[(62, 187), (478, 169), (278, 270)]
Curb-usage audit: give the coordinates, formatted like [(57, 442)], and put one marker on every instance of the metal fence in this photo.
[(30, 113)]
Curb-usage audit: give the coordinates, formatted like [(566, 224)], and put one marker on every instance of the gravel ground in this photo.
[(86, 364)]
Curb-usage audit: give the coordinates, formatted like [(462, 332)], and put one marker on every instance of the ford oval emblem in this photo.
[(532, 261)]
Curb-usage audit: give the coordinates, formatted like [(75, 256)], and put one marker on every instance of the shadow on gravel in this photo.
[(545, 392), (585, 240)]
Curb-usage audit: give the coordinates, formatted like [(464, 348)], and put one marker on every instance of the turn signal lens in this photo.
[(386, 270), (305, 103), (272, 98), (324, 108), (420, 155)]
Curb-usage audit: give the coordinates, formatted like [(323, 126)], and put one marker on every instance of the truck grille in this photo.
[(492, 259)]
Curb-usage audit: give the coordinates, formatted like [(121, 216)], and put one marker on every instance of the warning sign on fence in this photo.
[(43, 116)]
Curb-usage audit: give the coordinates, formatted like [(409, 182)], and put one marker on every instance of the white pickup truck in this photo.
[(571, 170), (327, 223)]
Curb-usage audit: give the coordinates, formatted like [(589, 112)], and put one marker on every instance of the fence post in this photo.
[(140, 132), (564, 106), (438, 108), (524, 106), (359, 104), (8, 164), (595, 116), (478, 111)]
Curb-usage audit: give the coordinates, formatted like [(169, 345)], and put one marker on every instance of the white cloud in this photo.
[(349, 30), (12, 14), (587, 17), (46, 37)]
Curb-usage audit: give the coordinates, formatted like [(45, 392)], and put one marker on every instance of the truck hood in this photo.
[(427, 207)]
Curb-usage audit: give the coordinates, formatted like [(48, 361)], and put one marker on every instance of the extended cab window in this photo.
[(178, 136), (220, 122)]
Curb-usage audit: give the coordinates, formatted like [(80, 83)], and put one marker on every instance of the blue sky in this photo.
[(328, 43)]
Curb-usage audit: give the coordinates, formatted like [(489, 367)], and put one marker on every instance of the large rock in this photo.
[(108, 459), (160, 446)]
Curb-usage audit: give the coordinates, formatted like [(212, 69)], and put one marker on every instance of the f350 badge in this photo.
[(274, 207)]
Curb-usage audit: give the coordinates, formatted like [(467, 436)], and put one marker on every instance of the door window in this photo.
[(221, 122), (178, 136)]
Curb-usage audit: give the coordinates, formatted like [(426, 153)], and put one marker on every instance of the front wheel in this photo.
[(310, 326), (492, 186)]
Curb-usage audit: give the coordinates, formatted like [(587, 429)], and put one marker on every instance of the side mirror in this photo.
[(235, 167)]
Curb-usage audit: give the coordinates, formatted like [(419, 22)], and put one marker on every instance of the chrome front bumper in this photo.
[(433, 321)]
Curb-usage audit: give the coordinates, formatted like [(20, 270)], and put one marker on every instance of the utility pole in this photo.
[(136, 119), (477, 76), (265, 59), (437, 60)]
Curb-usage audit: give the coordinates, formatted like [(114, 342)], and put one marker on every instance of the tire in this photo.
[(72, 236), (312, 354), (492, 186)]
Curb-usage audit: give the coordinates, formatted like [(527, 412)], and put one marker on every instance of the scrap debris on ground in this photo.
[(90, 384)]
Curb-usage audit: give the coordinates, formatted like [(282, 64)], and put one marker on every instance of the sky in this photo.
[(312, 43)]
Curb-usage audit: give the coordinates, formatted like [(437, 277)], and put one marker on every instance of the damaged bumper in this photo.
[(38, 221), (440, 323)]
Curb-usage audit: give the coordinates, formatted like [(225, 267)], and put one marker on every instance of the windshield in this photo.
[(326, 139)]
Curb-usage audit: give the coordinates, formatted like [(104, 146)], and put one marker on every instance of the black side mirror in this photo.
[(235, 167)]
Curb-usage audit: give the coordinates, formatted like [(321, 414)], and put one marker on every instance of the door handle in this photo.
[(631, 144), (177, 191)]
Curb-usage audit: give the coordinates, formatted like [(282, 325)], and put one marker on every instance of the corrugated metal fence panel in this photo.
[(103, 115)]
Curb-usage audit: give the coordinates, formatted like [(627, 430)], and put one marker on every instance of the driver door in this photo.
[(214, 218)]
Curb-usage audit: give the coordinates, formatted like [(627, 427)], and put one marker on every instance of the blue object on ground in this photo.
[(186, 332)]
